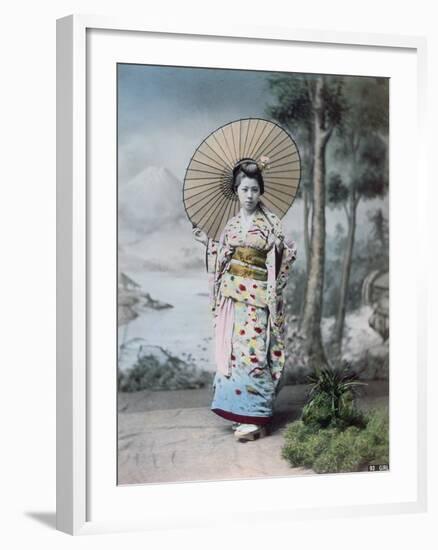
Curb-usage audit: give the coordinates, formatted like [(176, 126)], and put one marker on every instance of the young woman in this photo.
[(248, 270)]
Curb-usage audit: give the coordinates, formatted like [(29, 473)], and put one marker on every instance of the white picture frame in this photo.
[(81, 496)]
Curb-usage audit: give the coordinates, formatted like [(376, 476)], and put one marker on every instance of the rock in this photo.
[(132, 300)]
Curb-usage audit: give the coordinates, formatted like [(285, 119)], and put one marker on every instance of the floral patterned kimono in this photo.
[(247, 274)]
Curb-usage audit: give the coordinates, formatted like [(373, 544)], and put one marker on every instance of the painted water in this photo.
[(185, 330)]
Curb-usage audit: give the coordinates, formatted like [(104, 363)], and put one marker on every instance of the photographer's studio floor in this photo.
[(171, 436)]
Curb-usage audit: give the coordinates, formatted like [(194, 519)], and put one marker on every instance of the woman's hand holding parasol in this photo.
[(200, 235)]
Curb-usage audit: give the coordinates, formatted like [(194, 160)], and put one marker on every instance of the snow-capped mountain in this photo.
[(154, 231), (149, 202)]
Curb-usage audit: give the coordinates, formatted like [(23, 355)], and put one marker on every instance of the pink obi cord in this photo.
[(223, 335)]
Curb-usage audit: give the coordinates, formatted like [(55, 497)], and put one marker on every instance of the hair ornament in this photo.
[(263, 163)]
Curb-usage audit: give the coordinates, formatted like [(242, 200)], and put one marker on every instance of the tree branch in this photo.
[(347, 213), (327, 133)]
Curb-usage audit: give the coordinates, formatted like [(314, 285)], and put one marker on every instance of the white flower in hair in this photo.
[(263, 163)]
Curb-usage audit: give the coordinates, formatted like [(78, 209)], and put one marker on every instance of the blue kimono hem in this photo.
[(243, 419)]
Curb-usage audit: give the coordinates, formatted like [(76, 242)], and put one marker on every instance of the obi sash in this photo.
[(249, 263)]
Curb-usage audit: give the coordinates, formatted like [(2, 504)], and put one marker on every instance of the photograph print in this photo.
[(253, 274)]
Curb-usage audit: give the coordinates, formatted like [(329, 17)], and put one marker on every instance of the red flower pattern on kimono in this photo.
[(258, 332)]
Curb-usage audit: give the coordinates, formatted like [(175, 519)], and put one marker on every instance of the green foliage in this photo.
[(366, 107), (334, 449), (152, 374), (380, 231), (292, 108), (337, 191), (293, 100), (331, 402), (334, 99), (303, 444), (320, 414), (333, 435)]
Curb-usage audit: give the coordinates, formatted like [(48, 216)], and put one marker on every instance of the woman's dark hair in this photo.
[(248, 168)]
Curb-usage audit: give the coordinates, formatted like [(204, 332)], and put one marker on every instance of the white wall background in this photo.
[(27, 286)]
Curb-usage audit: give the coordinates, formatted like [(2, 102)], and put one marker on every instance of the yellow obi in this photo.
[(249, 263)]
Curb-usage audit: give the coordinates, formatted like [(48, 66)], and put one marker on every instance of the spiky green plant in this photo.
[(332, 398)]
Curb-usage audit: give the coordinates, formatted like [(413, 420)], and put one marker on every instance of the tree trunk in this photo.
[(306, 248), (311, 322), (345, 279), (306, 229)]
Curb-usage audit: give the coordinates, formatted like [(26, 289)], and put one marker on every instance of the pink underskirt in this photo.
[(223, 335)]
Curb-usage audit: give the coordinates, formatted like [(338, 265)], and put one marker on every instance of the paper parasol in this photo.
[(208, 196)]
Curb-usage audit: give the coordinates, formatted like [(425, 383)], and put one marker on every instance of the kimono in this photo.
[(248, 270)]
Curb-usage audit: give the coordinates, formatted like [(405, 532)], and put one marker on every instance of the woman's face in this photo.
[(249, 194)]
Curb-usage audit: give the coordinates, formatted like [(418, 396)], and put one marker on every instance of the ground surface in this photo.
[(171, 436)]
